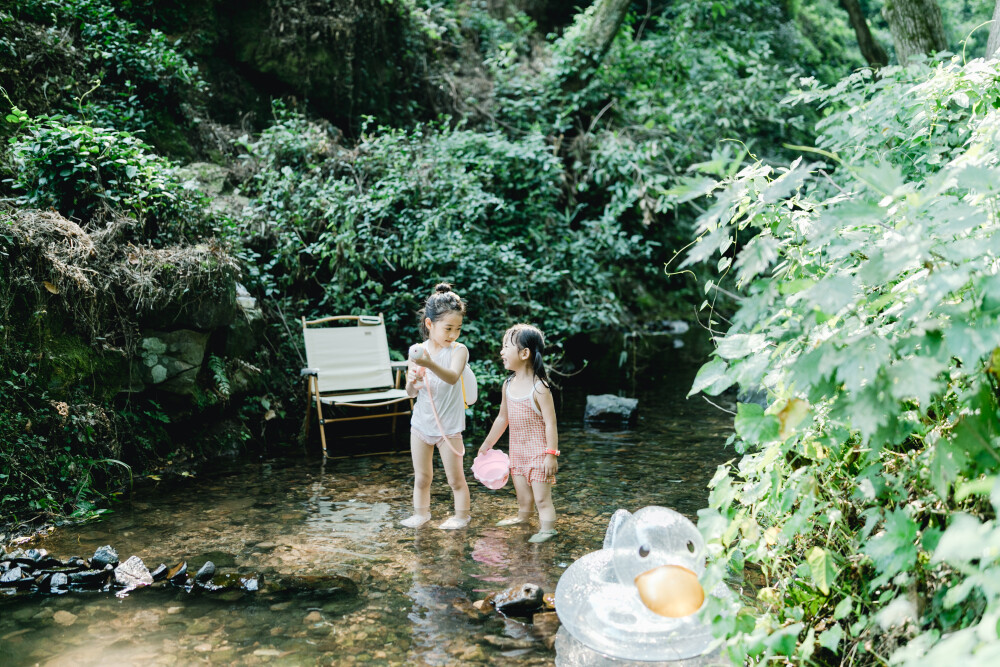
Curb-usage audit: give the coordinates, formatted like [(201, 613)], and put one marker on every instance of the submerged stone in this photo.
[(10, 576), (105, 555), (133, 574), (177, 573), (610, 409), (206, 572), (521, 601), (89, 578)]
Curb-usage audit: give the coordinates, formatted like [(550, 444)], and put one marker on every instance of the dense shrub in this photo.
[(869, 310), (376, 226), (137, 75), (82, 170)]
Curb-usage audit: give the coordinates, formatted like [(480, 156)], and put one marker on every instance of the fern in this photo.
[(218, 368)]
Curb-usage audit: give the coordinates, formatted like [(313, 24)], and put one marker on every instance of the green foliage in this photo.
[(139, 70), (377, 226), (869, 309), (56, 458), (218, 367), (82, 170)]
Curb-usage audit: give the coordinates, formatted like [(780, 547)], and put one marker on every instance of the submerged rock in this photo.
[(206, 572), (520, 601), (105, 555), (90, 578), (133, 574), (178, 573), (610, 409)]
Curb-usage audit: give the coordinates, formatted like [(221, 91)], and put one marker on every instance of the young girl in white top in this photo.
[(527, 406), (433, 375)]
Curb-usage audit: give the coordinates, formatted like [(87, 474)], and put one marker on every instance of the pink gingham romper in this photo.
[(527, 438)]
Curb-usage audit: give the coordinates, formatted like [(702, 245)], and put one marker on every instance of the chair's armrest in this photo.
[(398, 365), (306, 372)]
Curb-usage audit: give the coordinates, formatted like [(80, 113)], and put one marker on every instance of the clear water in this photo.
[(306, 529)]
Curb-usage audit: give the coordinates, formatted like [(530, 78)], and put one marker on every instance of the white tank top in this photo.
[(447, 399)]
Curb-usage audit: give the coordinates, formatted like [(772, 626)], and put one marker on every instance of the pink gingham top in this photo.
[(527, 437)]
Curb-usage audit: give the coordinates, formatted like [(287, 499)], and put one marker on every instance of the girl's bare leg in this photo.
[(546, 512), (455, 472), (525, 501), (423, 473)]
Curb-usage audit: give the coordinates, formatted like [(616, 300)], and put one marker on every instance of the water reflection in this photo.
[(299, 526)]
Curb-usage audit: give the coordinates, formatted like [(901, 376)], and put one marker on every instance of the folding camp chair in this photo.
[(349, 366)]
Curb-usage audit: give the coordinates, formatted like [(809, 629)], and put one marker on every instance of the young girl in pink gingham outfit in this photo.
[(526, 406)]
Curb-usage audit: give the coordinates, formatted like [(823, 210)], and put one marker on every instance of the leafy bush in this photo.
[(372, 229), (868, 489), (82, 170), (122, 54)]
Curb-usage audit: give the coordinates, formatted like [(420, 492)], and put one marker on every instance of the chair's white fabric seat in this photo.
[(366, 397)]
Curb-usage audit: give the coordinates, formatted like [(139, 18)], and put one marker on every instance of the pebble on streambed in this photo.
[(36, 572), (526, 601)]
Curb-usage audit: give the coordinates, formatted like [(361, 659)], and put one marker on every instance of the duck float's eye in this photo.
[(643, 551), (690, 546)]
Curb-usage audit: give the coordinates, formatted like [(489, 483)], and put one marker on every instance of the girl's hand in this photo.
[(423, 360), (485, 448), (551, 465), (414, 377)]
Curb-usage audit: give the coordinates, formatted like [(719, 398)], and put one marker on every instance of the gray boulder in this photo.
[(171, 360), (610, 409)]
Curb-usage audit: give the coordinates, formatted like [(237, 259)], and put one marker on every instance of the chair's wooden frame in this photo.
[(316, 398)]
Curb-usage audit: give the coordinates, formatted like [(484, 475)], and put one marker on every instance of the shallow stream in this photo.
[(346, 583)]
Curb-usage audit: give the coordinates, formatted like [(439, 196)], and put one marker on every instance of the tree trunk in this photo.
[(603, 22), (994, 40), (916, 27), (870, 49)]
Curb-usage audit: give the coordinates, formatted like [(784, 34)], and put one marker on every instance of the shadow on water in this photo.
[(342, 582)]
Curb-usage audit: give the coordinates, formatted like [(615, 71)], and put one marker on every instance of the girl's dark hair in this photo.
[(442, 301), (530, 338)]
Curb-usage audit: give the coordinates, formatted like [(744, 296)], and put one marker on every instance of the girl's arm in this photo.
[(499, 424), (545, 403), (449, 375)]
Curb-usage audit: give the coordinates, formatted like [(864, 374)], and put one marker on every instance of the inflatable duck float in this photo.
[(638, 597)]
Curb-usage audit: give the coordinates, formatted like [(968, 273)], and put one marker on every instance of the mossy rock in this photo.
[(69, 362)]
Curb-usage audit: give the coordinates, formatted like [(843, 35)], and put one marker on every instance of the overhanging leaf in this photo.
[(737, 346), (711, 378), (753, 425)]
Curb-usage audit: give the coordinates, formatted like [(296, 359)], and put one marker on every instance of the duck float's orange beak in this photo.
[(670, 590)]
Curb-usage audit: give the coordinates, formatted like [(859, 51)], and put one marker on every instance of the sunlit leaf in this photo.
[(753, 425), (821, 569), (737, 346), (711, 378)]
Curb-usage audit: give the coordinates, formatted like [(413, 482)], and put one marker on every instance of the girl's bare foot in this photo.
[(454, 523), (416, 520), (543, 535)]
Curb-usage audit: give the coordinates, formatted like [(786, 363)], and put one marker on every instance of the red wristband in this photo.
[(553, 452)]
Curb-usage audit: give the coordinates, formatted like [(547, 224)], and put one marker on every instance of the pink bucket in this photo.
[(492, 469)]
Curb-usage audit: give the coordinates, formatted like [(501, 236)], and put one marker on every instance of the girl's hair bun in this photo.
[(443, 288)]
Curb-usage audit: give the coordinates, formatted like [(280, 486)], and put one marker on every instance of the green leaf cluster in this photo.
[(868, 278), (373, 228), (84, 171)]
